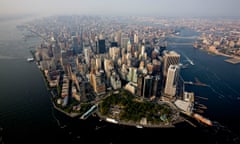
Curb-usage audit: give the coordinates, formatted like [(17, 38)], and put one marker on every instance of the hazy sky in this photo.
[(123, 7)]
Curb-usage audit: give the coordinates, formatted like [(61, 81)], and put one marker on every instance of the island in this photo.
[(122, 73)]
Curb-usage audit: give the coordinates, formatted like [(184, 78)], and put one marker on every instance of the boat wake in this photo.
[(221, 87), (189, 60)]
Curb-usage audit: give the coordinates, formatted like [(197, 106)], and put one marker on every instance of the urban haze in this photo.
[(126, 71), (123, 7)]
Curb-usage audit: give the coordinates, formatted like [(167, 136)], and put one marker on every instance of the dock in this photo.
[(189, 122), (204, 98), (233, 61)]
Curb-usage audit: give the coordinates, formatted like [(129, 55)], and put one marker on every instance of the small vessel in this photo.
[(189, 60), (139, 126), (30, 59), (202, 119), (111, 120)]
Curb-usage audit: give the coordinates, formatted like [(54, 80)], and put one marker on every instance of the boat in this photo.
[(202, 119), (30, 59), (139, 126), (111, 120)]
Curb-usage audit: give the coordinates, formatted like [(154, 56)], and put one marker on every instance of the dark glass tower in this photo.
[(101, 47)]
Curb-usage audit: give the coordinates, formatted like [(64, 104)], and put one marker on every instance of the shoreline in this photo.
[(72, 115), (171, 124), (180, 119), (231, 59), (135, 124)]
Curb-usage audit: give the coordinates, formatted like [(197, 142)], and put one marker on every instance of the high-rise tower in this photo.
[(169, 58), (172, 81)]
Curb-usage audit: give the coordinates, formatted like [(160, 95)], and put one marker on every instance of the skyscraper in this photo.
[(147, 87), (156, 90), (101, 46), (98, 63), (135, 38), (139, 85), (124, 41), (172, 81), (129, 46), (114, 44), (97, 82), (169, 58), (132, 74), (75, 45)]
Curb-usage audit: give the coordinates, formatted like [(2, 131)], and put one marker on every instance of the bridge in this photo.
[(174, 43), (90, 111), (183, 37)]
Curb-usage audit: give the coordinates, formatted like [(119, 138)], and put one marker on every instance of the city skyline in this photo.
[(123, 8)]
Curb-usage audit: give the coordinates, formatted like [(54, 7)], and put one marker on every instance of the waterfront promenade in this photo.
[(148, 125)]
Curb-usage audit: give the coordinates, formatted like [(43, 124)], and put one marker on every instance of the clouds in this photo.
[(156, 7)]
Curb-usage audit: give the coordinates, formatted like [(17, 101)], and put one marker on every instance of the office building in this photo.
[(101, 48), (132, 74), (124, 41), (169, 58), (172, 81), (147, 86), (156, 90)]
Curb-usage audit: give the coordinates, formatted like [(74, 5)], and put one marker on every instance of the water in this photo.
[(27, 116), (223, 79), (25, 107)]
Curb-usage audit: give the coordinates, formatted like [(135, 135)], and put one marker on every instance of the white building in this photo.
[(171, 81)]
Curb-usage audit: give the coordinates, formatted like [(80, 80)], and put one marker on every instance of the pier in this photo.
[(233, 60), (195, 83), (204, 98)]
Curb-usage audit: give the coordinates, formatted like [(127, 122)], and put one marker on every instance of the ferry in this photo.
[(202, 119)]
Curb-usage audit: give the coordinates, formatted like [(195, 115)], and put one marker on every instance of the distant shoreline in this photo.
[(231, 59)]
